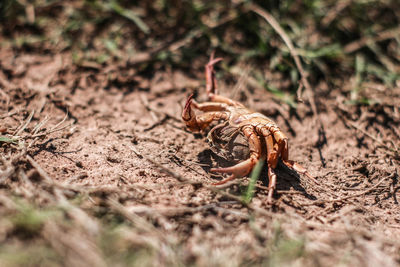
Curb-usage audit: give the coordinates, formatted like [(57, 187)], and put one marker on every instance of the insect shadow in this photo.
[(287, 178)]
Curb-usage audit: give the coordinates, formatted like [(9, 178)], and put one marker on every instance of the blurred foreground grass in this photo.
[(33, 235)]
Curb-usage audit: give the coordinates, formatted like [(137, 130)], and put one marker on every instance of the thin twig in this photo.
[(145, 103), (39, 169), (368, 190), (298, 92), (381, 36), (355, 126), (9, 114), (112, 189), (55, 127), (341, 214), (10, 169), (174, 211), (209, 187), (319, 202), (40, 125), (134, 218), (23, 126), (334, 12)]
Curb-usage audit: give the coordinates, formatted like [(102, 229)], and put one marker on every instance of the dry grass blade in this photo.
[(381, 36), (355, 126), (55, 127), (9, 170), (23, 126), (84, 220), (178, 211), (335, 11), (39, 169), (211, 188), (272, 21), (146, 104), (319, 202), (72, 245), (40, 125), (9, 114), (243, 71), (138, 221), (304, 81)]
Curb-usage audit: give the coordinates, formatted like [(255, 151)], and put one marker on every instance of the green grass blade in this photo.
[(5, 139), (129, 14), (248, 196)]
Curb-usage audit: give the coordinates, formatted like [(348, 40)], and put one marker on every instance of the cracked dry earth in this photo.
[(118, 119)]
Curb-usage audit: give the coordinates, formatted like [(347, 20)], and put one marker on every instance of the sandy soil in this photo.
[(118, 119)]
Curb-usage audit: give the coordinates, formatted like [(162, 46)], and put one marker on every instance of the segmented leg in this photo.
[(196, 123), (282, 142), (271, 184), (209, 106), (276, 142), (202, 121), (292, 164), (222, 99), (272, 160), (243, 168), (272, 154), (211, 85), (281, 149), (298, 168)]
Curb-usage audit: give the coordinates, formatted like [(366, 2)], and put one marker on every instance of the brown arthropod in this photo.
[(237, 123)]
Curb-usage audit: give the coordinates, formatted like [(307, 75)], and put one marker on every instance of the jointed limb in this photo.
[(279, 149), (297, 167), (222, 99), (211, 82), (211, 85), (272, 161), (276, 140), (197, 123), (202, 121), (209, 106), (243, 168), (271, 184)]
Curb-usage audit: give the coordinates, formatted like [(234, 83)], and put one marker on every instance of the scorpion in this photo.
[(240, 133)]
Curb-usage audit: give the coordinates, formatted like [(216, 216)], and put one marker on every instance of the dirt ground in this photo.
[(114, 140)]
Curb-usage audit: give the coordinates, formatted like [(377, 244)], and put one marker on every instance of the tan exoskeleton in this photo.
[(265, 139)]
